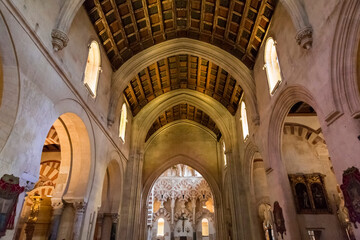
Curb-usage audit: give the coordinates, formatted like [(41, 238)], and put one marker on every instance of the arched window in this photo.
[(160, 227), (205, 227), (123, 121), (272, 65), (244, 121), (92, 68), (224, 151)]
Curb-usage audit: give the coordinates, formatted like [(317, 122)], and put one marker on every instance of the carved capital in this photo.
[(79, 207), (57, 206), (304, 37), (59, 39), (115, 218)]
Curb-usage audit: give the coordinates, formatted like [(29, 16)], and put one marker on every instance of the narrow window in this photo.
[(244, 121), (224, 152), (92, 68), (272, 65), (205, 227), (123, 122), (160, 227)]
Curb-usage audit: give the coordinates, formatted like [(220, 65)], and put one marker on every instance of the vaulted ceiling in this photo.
[(127, 27), (184, 111), (183, 72)]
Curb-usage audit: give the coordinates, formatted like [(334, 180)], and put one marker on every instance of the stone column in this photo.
[(172, 210), (106, 226), (80, 208), (193, 204), (115, 220), (98, 228), (66, 222), (57, 207)]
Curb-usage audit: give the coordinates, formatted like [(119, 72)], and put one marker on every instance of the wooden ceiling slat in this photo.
[(189, 69), (161, 18), (133, 19), (227, 82), (254, 32), (133, 95), (118, 17), (233, 95), (138, 81), (148, 79), (108, 31), (217, 5), (228, 21), (217, 80), (198, 72), (243, 19), (237, 26), (158, 78), (147, 18), (192, 74), (208, 76), (167, 72)]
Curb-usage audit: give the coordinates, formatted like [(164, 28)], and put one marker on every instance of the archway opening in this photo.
[(35, 219), (261, 190), (312, 180), (63, 183), (108, 216), (181, 206)]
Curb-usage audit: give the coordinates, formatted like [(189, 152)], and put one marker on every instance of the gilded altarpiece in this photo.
[(310, 193)]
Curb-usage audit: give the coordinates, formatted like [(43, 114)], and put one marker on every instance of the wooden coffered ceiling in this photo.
[(127, 27), (183, 72), (184, 111)]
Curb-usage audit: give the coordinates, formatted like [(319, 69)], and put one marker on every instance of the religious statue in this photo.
[(351, 191), (266, 216), (343, 216), (279, 219)]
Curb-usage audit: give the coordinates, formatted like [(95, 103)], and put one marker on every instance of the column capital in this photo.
[(79, 206), (115, 217), (59, 39), (304, 37)]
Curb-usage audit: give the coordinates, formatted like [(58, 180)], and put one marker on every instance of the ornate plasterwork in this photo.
[(181, 188)]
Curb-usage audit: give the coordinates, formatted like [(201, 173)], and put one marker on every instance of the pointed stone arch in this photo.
[(225, 60), (9, 82)]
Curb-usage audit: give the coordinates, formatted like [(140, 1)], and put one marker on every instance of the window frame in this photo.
[(158, 227), (93, 93), (245, 137), (269, 65), (123, 121), (205, 220)]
